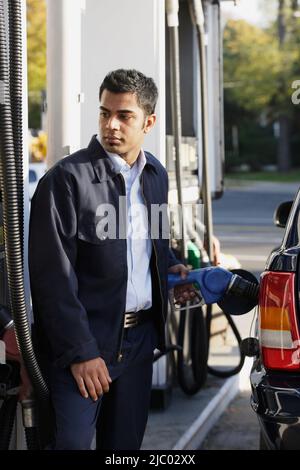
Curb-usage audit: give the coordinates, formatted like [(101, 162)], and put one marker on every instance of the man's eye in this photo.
[(103, 114), (125, 117)]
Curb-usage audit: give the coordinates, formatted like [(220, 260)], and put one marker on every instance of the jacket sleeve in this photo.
[(172, 259), (53, 280)]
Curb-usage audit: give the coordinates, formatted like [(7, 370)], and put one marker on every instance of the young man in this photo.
[(100, 302)]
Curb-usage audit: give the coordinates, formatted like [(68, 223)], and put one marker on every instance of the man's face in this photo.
[(122, 123)]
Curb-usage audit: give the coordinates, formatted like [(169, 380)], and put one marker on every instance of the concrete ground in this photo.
[(166, 427), (237, 428)]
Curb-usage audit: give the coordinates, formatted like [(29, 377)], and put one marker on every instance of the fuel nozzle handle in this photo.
[(216, 284), (212, 282)]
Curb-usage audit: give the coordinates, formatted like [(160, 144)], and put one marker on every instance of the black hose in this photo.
[(13, 245), (169, 349), (192, 364), (233, 370), (7, 419), (199, 348)]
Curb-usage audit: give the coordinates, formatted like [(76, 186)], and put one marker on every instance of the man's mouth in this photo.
[(112, 140)]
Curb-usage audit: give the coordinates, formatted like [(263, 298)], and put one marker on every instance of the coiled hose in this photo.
[(11, 180), (15, 82), (9, 186)]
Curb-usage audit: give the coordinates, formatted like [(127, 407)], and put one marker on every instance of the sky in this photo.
[(249, 10)]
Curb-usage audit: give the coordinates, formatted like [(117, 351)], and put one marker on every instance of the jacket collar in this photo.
[(103, 165)]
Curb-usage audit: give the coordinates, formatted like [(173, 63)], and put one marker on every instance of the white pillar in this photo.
[(123, 34), (63, 77)]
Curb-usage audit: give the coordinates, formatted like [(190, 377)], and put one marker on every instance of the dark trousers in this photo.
[(120, 416)]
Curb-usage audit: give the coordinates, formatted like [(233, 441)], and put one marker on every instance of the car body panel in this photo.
[(276, 401)]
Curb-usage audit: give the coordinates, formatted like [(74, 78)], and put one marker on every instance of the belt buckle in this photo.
[(130, 320)]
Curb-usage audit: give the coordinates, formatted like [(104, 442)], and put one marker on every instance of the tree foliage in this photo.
[(258, 69), (36, 50), (261, 64), (251, 65)]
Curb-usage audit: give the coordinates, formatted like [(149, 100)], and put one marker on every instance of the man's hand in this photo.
[(92, 377), (13, 354), (216, 250), (184, 292)]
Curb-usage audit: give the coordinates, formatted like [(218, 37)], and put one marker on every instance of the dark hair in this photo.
[(132, 81)]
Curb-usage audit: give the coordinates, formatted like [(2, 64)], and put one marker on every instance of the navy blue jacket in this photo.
[(78, 280)]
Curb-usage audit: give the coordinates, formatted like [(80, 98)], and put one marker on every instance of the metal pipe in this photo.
[(197, 16), (172, 10)]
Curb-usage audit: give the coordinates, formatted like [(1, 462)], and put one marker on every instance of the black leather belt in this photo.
[(132, 319)]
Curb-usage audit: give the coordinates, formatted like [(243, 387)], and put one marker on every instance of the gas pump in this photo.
[(198, 57)]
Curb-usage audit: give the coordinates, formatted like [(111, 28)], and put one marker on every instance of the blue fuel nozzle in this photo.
[(212, 282), (235, 293)]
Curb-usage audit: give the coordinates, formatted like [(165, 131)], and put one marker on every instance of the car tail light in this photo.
[(278, 326)]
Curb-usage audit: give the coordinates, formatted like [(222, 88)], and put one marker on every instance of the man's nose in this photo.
[(113, 123)]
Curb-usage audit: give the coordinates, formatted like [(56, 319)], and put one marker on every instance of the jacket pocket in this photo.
[(101, 258)]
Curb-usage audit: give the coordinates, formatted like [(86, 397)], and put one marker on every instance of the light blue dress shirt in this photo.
[(139, 244)]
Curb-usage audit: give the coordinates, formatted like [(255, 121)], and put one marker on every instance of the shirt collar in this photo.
[(120, 164)]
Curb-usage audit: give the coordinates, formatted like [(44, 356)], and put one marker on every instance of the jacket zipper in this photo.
[(120, 354), (153, 244)]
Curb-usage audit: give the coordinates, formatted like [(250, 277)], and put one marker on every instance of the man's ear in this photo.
[(149, 123)]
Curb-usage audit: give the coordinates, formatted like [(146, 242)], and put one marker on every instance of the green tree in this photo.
[(251, 65), (36, 50), (260, 66)]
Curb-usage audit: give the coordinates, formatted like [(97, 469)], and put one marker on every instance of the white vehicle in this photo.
[(36, 171)]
